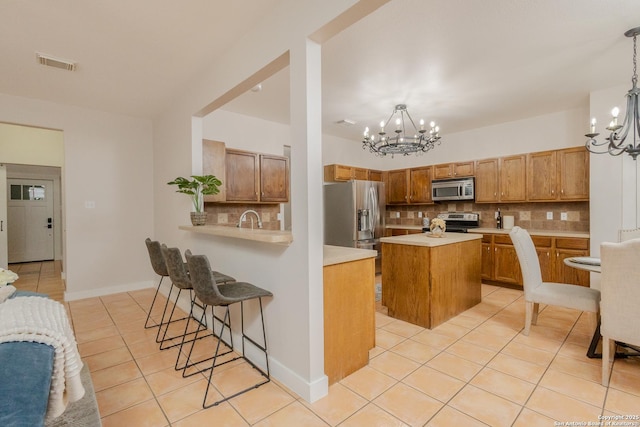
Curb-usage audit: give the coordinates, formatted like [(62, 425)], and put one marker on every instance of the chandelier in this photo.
[(420, 142), (616, 143)]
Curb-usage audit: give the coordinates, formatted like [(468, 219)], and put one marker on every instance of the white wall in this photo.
[(239, 132), (552, 131), (293, 273), (107, 159)]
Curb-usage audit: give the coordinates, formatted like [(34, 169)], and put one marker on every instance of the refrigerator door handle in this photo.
[(376, 213)]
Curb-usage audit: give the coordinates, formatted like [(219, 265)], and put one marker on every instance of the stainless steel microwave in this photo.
[(453, 189)]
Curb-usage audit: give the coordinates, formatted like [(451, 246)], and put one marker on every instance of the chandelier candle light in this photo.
[(616, 143), (421, 141)]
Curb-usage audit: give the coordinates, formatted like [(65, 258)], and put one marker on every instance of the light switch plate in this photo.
[(89, 204), (549, 215)]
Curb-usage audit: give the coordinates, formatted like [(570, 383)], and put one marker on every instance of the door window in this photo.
[(27, 192)]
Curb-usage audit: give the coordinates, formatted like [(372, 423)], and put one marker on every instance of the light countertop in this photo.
[(548, 233), (257, 234), (425, 239), (340, 254)]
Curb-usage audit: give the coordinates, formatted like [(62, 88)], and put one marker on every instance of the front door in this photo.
[(30, 220)]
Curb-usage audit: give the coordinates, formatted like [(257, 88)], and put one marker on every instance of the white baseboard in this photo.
[(92, 293), (309, 391)]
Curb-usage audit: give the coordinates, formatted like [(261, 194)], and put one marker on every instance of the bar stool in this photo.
[(179, 275), (211, 294), (181, 282), (160, 268)]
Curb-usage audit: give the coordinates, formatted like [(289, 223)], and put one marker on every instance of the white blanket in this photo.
[(42, 320)]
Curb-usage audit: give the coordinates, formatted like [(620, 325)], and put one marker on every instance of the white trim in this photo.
[(72, 296)]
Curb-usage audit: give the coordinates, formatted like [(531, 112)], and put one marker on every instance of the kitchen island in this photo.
[(349, 310), (427, 280)]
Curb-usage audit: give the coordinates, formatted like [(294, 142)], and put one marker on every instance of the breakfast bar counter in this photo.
[(427, 280)]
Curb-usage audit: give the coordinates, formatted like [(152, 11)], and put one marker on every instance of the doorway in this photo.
[(30, 225)]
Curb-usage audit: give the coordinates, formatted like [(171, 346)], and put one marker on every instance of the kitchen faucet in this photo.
[(244, 214)]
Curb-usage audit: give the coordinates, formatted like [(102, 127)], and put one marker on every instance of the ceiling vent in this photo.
[(50, 61)]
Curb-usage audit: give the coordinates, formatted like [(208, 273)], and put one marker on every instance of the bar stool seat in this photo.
[(160, 268), (180, 281), (211, 295)]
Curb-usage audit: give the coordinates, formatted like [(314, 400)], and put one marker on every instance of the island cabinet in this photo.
[(254, 177), (558, 175), (500, 262), (349, 310), (409, 186), (453, 170), (426, 281)]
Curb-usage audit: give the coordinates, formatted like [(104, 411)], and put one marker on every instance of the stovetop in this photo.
[(460, 222)]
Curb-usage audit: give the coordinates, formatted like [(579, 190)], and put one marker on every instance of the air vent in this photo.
[(50, 61)]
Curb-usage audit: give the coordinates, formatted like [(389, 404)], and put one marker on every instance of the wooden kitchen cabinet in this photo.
[(409, 186), (274, 178), (420, 185), (566, 248), (453, 170), (542, 176), (573, 182), (375, 175), (506, 268), (558, 175), (486, 266), (253, 177), (337, 173), (500, 264), (513, 178), (397, 187), (501, 179), (242, 176), (213, 163), (486, 183)]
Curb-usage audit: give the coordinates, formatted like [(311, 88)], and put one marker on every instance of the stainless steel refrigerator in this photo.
[(354, 214)]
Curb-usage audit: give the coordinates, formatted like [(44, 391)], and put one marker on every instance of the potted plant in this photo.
[(197, 187)]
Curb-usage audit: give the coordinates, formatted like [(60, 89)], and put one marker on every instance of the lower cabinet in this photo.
[(500, 262)]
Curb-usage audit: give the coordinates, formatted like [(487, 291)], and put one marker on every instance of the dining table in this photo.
[(592, 264)]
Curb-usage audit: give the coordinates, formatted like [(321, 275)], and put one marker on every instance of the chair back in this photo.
[(176, 268), (155, 256), (624, 235), (620, 291), (528, 258), (203, 282)]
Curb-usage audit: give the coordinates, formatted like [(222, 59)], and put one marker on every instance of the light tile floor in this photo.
[(477, 369)]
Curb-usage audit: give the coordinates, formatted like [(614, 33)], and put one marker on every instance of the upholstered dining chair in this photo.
[(620, 288), (536, 291), (628, 234), (214, 295)]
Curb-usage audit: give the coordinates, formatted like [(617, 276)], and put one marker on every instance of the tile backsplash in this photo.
[(526, 215), (229, 215)]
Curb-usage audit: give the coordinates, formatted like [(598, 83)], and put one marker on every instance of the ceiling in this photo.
[(463, 63)]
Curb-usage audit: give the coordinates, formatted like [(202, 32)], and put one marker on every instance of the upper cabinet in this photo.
[(254, 177), (501, 180), (242, 176), (274, 178), (487, 181), (573, 165), (558, 175), (336, 173), (513, 178), (409, 186), (453, 170), (213, 154)]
